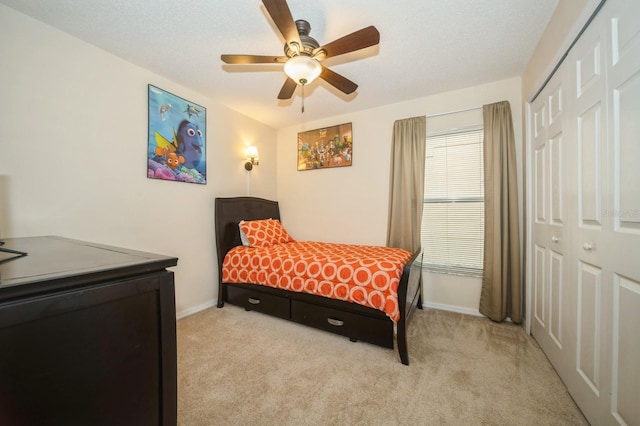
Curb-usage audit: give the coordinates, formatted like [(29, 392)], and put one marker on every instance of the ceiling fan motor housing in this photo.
[(309, 44)]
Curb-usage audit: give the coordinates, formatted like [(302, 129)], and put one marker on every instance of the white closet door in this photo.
[(585, 252), (549, 271), (621, 244), (589, 189)]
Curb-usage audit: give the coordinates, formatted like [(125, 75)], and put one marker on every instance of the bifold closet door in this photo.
[(585, 285), (606, 65), (549, 235), (590, 190), (620, 247)]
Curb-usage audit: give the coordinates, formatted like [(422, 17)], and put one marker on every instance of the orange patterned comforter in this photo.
[(367, 275)]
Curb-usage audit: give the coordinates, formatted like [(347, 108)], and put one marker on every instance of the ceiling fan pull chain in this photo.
[(302, 99)]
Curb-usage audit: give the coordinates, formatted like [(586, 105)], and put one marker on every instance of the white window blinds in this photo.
[(453, 217)]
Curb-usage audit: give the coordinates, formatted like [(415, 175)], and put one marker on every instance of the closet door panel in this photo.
[(588, 382), (539, 180), (556, 308), (589, 313), (624, 212), (549, 272), (590, 123), (540, 184), (626, 349), (539, 293), (556, 169), (556, 220)]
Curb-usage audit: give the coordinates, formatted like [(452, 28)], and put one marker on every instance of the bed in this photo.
[(381, 326)]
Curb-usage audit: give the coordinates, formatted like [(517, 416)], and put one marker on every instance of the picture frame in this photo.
[(326, 147), (176, 142)]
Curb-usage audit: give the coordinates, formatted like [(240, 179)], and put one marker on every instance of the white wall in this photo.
[(73, 138), (350, 204)]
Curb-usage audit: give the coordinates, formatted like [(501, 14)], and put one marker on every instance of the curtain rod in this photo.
[(453, 112)]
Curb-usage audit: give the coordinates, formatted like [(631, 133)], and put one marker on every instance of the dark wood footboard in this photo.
[(348, 319), (409, 298)]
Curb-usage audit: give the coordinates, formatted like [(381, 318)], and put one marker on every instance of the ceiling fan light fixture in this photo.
[(302, 69)]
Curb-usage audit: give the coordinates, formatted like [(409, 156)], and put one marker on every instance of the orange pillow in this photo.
[(265, 232)]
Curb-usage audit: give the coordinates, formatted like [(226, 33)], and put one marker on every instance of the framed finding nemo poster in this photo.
[(324, 148), (177, 138)]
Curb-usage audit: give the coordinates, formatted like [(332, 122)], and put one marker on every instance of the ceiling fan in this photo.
[(303, 54)]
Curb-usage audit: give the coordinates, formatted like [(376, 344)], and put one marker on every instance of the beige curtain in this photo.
[(407, 183), (501, 295)]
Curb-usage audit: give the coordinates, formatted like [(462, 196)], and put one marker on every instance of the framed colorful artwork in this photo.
[(324, 148), (177, 138)]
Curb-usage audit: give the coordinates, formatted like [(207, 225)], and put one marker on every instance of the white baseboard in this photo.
[(196, 309), (452, 308)]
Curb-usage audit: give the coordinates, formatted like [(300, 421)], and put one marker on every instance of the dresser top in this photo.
[(63, 261)]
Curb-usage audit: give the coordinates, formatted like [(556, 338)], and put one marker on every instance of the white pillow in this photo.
[(243, 236)]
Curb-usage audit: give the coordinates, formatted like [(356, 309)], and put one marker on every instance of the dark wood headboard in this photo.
[(228, 214)]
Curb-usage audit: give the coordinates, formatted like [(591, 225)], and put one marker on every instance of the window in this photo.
[(453, 218)]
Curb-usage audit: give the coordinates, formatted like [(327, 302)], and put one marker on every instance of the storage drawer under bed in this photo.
[(257, 301), (354, 326)]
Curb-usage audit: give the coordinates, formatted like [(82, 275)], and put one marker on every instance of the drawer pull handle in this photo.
[(254, 301), (336, 322)]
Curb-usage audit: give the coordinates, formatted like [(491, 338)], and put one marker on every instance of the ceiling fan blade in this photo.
[(288, 88), (360, 39), (252, 59), (281, 15), (336, 80)]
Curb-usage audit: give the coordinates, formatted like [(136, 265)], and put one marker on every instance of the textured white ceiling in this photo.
[(426, 46)]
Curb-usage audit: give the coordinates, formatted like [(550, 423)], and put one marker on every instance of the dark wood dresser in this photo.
[(87, 335)]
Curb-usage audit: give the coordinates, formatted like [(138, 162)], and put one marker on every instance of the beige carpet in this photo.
[(246, 368)]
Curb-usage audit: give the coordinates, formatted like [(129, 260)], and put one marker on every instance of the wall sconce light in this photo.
[(252, 157)]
